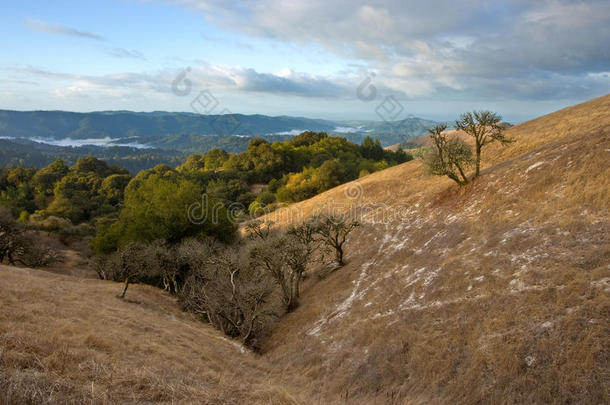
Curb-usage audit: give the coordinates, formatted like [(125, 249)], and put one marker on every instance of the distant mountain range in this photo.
[(149, 128), (137, 140)]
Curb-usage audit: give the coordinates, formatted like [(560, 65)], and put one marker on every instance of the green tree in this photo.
[(113, 188), (19, 175), (215, 158), (449, 157), (329, 175), (485, 127), (158, 209), (192, 163), (91, 164), (76, 196), (46, 177), (266, 161), (371, 149), (160, 204), (308, 138)]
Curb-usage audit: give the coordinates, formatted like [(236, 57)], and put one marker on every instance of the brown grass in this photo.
[(498, 292), (70, 340)]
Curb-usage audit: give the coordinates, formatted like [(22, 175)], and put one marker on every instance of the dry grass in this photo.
[(498, 292), (70, 340)]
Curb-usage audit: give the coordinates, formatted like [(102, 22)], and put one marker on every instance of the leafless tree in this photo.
[(259, 229), (283, 259), (131, 264), (333, 230), (232, 295), (17, 246)]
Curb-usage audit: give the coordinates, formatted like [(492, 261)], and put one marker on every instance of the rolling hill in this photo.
[(150, 127), (65, 339), (497, 292), (140, 140), (126, 124)]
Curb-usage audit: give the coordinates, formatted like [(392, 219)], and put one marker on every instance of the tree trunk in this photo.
[(294, 292), (339, 255), (286, 293), (463, 175), (478, 161), (125, 288), (455, 178), (295, 286)]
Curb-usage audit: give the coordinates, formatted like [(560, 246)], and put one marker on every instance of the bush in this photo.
[(18, 247), (33, 254), (227, 291), (153, 263)]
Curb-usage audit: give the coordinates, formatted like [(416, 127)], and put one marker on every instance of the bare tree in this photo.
[(232, 295), (17, 246), (163, 264), (10, 236), (485, 127), (450, 157), (259, 229), (132, 265), (333, 230), (285, 260)]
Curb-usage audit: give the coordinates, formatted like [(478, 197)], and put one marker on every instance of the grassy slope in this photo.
[(69, 340), (498, 292)]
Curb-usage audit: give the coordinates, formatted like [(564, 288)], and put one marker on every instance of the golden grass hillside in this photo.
[(69, 340), (498, 292)]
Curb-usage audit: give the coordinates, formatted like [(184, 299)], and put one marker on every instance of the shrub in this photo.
[(449, 157), (227, 291), (18, 247)]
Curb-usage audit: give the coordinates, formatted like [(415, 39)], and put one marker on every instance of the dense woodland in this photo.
[(122, 207), (93, 191)]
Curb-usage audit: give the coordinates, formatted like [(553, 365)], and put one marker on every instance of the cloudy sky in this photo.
[(336, 59)]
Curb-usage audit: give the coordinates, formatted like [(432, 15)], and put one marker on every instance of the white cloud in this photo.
[(202, 76), (59, 29), (122, 53), (421, 48)]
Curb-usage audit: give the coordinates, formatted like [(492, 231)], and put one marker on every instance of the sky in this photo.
[(333, 59)]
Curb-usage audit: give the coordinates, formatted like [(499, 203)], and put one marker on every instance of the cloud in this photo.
[(122, 53), (203, 76), (59, 29), (496, 49), (283, 82)]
